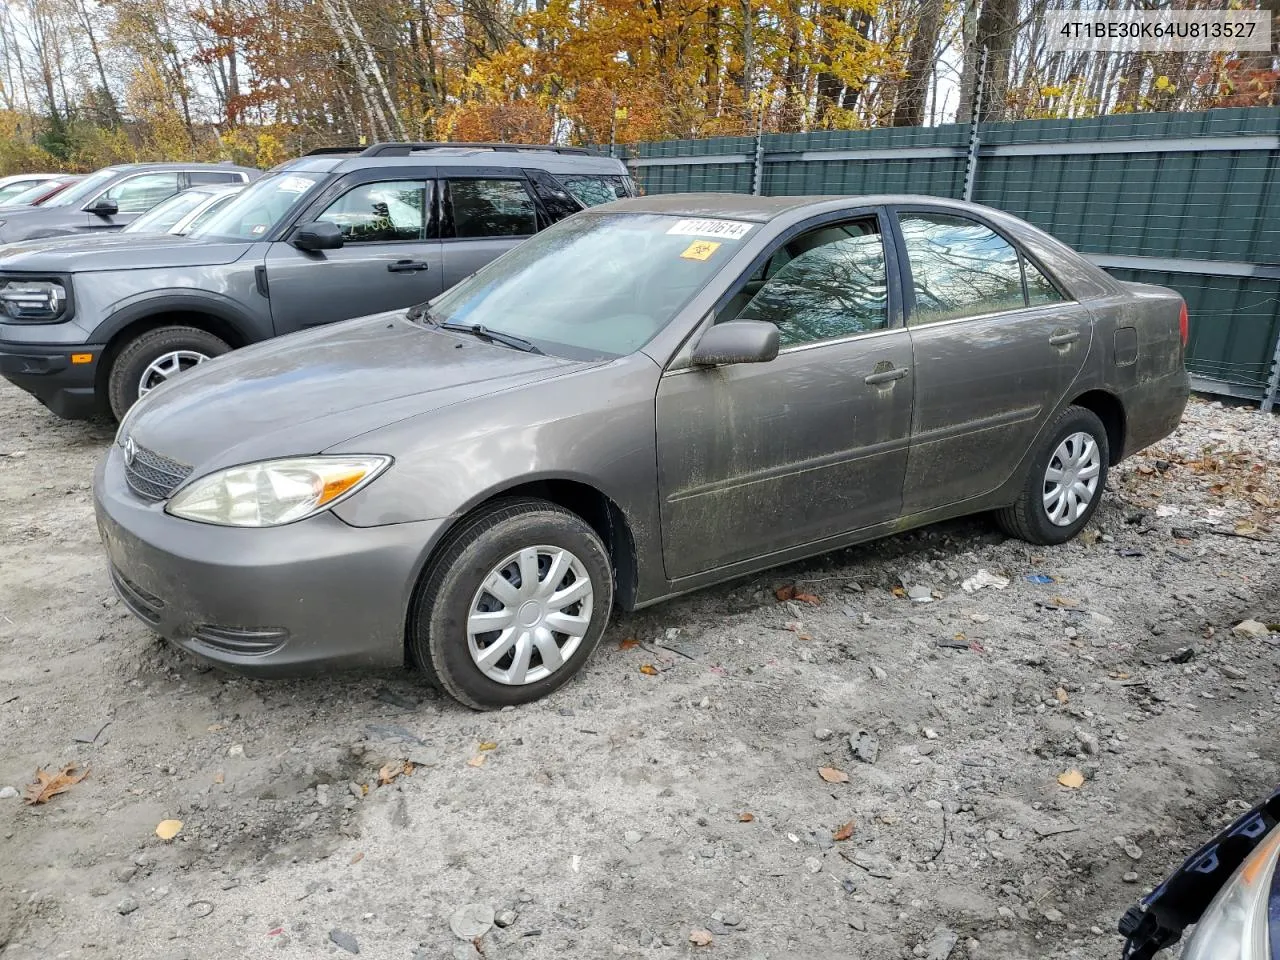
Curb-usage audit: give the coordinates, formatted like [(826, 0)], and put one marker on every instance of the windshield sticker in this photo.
[(295, 184), (258, 229), (720, 229), (700, 250)]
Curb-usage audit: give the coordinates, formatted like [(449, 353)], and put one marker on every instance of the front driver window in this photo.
[(139, 194), (826, 284), (380, 212)]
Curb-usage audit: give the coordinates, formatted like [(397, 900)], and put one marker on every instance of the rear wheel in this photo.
[(514, 604), (1064, 483), (155, 357)]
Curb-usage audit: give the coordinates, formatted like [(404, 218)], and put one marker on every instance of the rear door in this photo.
[(484, 212), (390, 257), (996, 343)]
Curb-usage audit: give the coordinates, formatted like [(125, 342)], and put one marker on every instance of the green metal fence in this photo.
[(1189, 201)]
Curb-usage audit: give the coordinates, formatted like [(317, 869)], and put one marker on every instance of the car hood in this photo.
[(300, 394), (115, 251)]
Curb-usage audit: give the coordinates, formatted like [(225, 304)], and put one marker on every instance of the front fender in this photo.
[(248, 327)]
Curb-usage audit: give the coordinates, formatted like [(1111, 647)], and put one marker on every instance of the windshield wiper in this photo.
[(480, 330)]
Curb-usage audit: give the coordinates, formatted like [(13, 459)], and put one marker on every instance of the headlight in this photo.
[(274, 492), (1235, 925), (32, 301)]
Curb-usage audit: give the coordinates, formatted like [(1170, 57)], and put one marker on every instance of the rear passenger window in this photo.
[(959, 268), (594, 190), (1039, 290), (491, 208), (198, 177), (393, 210)]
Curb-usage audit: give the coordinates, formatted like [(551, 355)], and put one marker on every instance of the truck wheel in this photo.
[(1064, 483), (155, 357), (513, 606)]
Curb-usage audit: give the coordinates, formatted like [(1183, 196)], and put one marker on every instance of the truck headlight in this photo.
[(274, 492), (1235, 925), (32, 301)]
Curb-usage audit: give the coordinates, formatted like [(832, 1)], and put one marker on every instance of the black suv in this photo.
[(90, 326)]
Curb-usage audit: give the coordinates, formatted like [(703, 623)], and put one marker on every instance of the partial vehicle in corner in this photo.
[(647, 398)]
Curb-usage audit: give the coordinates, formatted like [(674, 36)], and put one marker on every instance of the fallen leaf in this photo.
[(785, 593), (1246, 526), (168, 829), (700, 938), (1072, 779), (899, 592), (1061, 695), (809, 598), (844, 833), (357, 858), (390, 771), (409, 767), (832, 775), (477, 760), (804, 636), (215, 727), (219, 777), (628, 644), (648, 669), (488, 745), (49, 786), (746, 817), (1119, 675)]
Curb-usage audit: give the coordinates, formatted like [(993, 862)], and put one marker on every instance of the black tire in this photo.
[(438, 642), (1026, 518), (139, 353)]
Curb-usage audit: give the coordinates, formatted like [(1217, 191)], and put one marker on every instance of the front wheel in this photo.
[(1064, 483), (513, 606), (156, 357)]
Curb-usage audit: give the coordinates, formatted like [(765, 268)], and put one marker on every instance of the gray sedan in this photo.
[(650, 397)]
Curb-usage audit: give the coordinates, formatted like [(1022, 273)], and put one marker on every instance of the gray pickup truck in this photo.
[(340, 233)]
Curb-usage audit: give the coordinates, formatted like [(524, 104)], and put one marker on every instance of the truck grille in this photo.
[(152, 476)]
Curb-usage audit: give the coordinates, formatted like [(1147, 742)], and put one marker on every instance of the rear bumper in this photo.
[(287, 600), (46, 371)]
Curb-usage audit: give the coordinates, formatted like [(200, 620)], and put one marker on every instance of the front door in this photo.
[(757, 458), (482, 216), (388, 260), (996, 347)]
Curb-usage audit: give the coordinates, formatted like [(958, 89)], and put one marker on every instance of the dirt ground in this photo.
[(632, 810)]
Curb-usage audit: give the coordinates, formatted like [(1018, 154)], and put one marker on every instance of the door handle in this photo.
[(408, 266), (1062, 339), (885, 376)]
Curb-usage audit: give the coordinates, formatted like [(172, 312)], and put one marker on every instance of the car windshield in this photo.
[(164, 215), (208, 213), (596, 285), (30, 193), (84, 190), (253, 213), (12, 190)]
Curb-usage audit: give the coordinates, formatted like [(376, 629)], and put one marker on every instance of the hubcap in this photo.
[(1071, 479), (167, 365), (529, 615)]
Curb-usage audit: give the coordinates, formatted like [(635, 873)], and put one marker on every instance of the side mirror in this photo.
[(104, 207), (318, 235), (737, 341)]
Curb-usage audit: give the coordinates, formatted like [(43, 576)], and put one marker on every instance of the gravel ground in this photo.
[(637, 812)]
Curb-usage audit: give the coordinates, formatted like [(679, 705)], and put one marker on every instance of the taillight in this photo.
[(1183, 326)]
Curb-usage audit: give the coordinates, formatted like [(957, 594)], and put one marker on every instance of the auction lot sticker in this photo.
[(717, 229)]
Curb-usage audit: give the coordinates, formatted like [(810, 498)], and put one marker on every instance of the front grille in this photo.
[(152, 476), (240, 639), (144, 605)]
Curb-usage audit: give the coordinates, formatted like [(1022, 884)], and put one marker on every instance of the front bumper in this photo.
[(262, 602), (58, 375)]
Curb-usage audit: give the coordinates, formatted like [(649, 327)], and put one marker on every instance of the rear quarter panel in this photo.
[(1139, 357)]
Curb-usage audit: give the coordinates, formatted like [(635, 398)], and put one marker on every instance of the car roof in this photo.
[(543, 157), (226, 167), (739, 206)]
